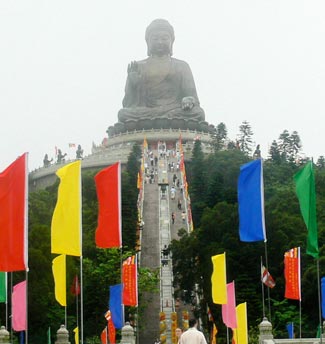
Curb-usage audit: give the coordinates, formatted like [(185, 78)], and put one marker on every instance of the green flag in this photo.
[(305, 189), (3, 287), (49, 335)]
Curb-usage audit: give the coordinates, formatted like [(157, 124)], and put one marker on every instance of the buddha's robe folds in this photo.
[(161, 86)]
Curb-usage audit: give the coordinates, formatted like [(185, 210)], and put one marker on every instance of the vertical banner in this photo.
[(3, 287), (66, 220), (13, 216), (292, 274), (103, 336), (59, 274), (305, 189), (241, 331), (218, 279), (129, 280), (19, 307), (108, 187), (76, 335), (323, 296), (251, 202), (229, 309), (115, 305)]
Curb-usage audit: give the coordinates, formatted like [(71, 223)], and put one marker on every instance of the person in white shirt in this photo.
[(192, 335)]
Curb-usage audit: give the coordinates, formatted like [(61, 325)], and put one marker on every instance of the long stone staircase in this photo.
[(157, 233)]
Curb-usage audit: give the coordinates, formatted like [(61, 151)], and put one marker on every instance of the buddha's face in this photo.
[(160, 43)]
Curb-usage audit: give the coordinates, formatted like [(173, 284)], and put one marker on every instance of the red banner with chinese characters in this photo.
[(129, 280)]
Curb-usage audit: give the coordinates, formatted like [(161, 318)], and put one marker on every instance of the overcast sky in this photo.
[(63, 68)]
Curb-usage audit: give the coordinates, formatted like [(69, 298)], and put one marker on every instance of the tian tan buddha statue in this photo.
[(160, 90)]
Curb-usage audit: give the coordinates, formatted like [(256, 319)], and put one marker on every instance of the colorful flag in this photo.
[(103, 336), (241, 332), (290, 329), (323, 296), (115, 305), (75, 287), (66, 220), (108, 186), (266, 277), (13, 216), (111, 327), (145, 143), (139, 180), (251, 202), (59, 274), (49, 335), (214, 332), (218, 279), (305, 189), (19, 309), (292, 274), (130, 281), (3, 287), (229, 309), (76, 335)]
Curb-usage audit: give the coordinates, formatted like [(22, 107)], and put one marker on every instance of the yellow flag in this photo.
[(59, 273), (76, 335), (66, 220), (240, 333), (218, 279)]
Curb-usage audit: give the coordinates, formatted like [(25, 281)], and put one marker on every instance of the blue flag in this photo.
[(290, 328), (251, 202), (323, 296), (115, 305)]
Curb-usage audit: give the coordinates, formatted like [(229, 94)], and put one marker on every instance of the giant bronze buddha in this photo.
[(160, 91)]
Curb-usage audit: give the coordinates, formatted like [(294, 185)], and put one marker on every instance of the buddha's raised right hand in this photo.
[(134, 73)]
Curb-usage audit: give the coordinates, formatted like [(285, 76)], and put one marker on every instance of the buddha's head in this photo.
[(160, 38)]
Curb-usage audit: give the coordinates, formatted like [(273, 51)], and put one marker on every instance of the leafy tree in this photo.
[(245, 138), (321, 162), (220, 137), (274, 152)]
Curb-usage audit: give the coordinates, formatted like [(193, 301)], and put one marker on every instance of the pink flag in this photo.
[(229, 310), (108, 187), (19, 310)]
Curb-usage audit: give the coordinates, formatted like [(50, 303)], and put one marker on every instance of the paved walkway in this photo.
[(157, 234)]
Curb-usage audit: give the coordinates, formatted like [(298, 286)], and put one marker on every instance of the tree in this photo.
[(245, 138), (274, 152), (220, 136)]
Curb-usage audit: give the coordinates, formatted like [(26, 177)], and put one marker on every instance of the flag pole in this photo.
[(262, 285), (319, 301), (11, 289), (6, 285), (81, 302), (26, 331), (268, 289)]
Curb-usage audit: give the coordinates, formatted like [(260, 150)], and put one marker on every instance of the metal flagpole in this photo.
[(299, 281), (319, 302), (6, 284), (268, 289), (262, 285), (26, 331), (81, 303)]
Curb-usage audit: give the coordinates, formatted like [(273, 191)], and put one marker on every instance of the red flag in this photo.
[(103, 336), (108, 186), (129, 280), (267, 279), (75, 287), (13, 216), (292, 274), (19, 314), (111, 327)]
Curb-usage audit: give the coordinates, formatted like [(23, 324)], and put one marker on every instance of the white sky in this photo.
[(63, 67)]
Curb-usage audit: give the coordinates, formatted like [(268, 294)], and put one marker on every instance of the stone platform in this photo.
[(118, 148)]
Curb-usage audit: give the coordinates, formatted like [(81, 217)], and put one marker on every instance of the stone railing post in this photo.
[(4, 336), (128, 336), (265, 328), (62, 336)]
